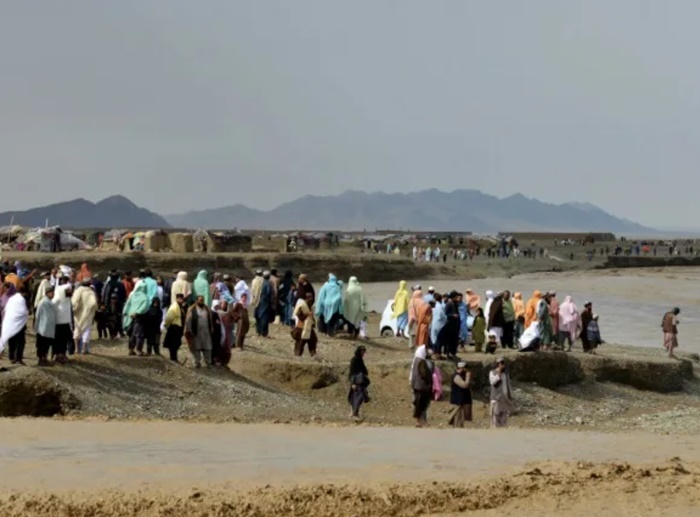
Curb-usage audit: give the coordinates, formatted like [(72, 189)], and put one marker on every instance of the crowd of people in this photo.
[(447, 323)]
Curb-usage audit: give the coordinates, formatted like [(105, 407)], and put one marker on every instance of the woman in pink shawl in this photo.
[(569, 322)]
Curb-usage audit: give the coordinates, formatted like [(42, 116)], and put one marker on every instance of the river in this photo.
[(630, 303)]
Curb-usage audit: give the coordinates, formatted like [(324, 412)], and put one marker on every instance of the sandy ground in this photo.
[(207, 469)]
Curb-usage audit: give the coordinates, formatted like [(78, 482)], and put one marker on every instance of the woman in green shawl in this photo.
[(200, 287), (354, 306), (132, 317)]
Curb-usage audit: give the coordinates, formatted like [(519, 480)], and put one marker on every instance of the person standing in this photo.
[(174, 325), (669, 325), (45, 326), (421, 380), (285, 308), (569, 319), (508, 321), (359, 381), (133, 318), (501, 395), (114, 298), (554, 314), (241, 320), (151, 327), (329, 306), (400, 311), (256, 287), (461, 396), (14, 327), (354, 306), (586, 318), (496, 318), (199, 329), (304, 333), (413, 307), (479, 330), (438, 320), (263, 308), (450, 332), (84, 304), (64, 322), (200, 287)]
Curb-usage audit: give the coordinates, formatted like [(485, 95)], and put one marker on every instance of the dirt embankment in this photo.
[(668, 488), (368, 267), (267, 383)]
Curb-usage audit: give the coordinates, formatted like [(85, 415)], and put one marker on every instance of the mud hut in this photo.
[(155, 241), (180, 242), (228, 242)]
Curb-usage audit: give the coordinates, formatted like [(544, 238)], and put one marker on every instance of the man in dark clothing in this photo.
[(114, 298), (586, 317), (449, 335)]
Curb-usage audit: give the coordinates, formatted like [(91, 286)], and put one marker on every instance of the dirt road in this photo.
[(56, 455)]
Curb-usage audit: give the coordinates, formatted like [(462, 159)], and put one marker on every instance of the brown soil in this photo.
[(669, 488)]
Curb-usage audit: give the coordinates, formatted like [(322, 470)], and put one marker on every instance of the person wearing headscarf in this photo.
[(84, 304), (479, 330), (421, 380), (200, 287), (439, 318), (304, 287), (518, 305), (554, 313), (133, 318), (221, 290), (199, 331), (531, 308), (586, 318), (473, 301), (329, 306), (424, 319), (256, 287), (263, 307), (413, 306), (400, 309), (152, 323), (507, 341), (496, 319), (181, 286), (14, 326), (285, 307), (463, 321), (461, 396), (174, 326), (83, 273), (359, 381), (275, 285), (304, 333), (487, 308), (226, 321), (114, 298), (241, 288), (128, 282), (8, 291), (45, 326), (545, 320), (241, 319), (64, 322), (354, 306), (569, 321), (41, 290)]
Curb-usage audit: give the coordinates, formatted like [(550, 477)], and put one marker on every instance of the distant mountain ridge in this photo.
[(112, 212), (428, 210)]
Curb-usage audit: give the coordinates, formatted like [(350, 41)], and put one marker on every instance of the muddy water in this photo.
[(630, 303), (84, 455)]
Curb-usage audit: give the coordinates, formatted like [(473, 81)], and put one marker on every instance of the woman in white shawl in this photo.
[(14, 326), (569, 322), (181, 286), (84, 303), (354, 306)]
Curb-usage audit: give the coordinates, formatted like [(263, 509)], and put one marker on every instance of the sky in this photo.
[(183, 105)]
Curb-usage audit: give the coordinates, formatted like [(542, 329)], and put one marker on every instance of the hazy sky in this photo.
[(183, 104)]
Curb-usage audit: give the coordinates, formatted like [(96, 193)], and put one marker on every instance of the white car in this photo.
[(389, 325)]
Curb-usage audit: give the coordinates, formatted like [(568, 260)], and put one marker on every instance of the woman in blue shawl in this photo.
[(329, 306), (463, 330), (439, 321), (133, 317), (200, 287)]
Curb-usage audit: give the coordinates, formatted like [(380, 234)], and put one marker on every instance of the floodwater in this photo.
[(630, 303), (85, 455)]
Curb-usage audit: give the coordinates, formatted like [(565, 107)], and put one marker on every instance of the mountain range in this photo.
[(112, 212), (428, 210)]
